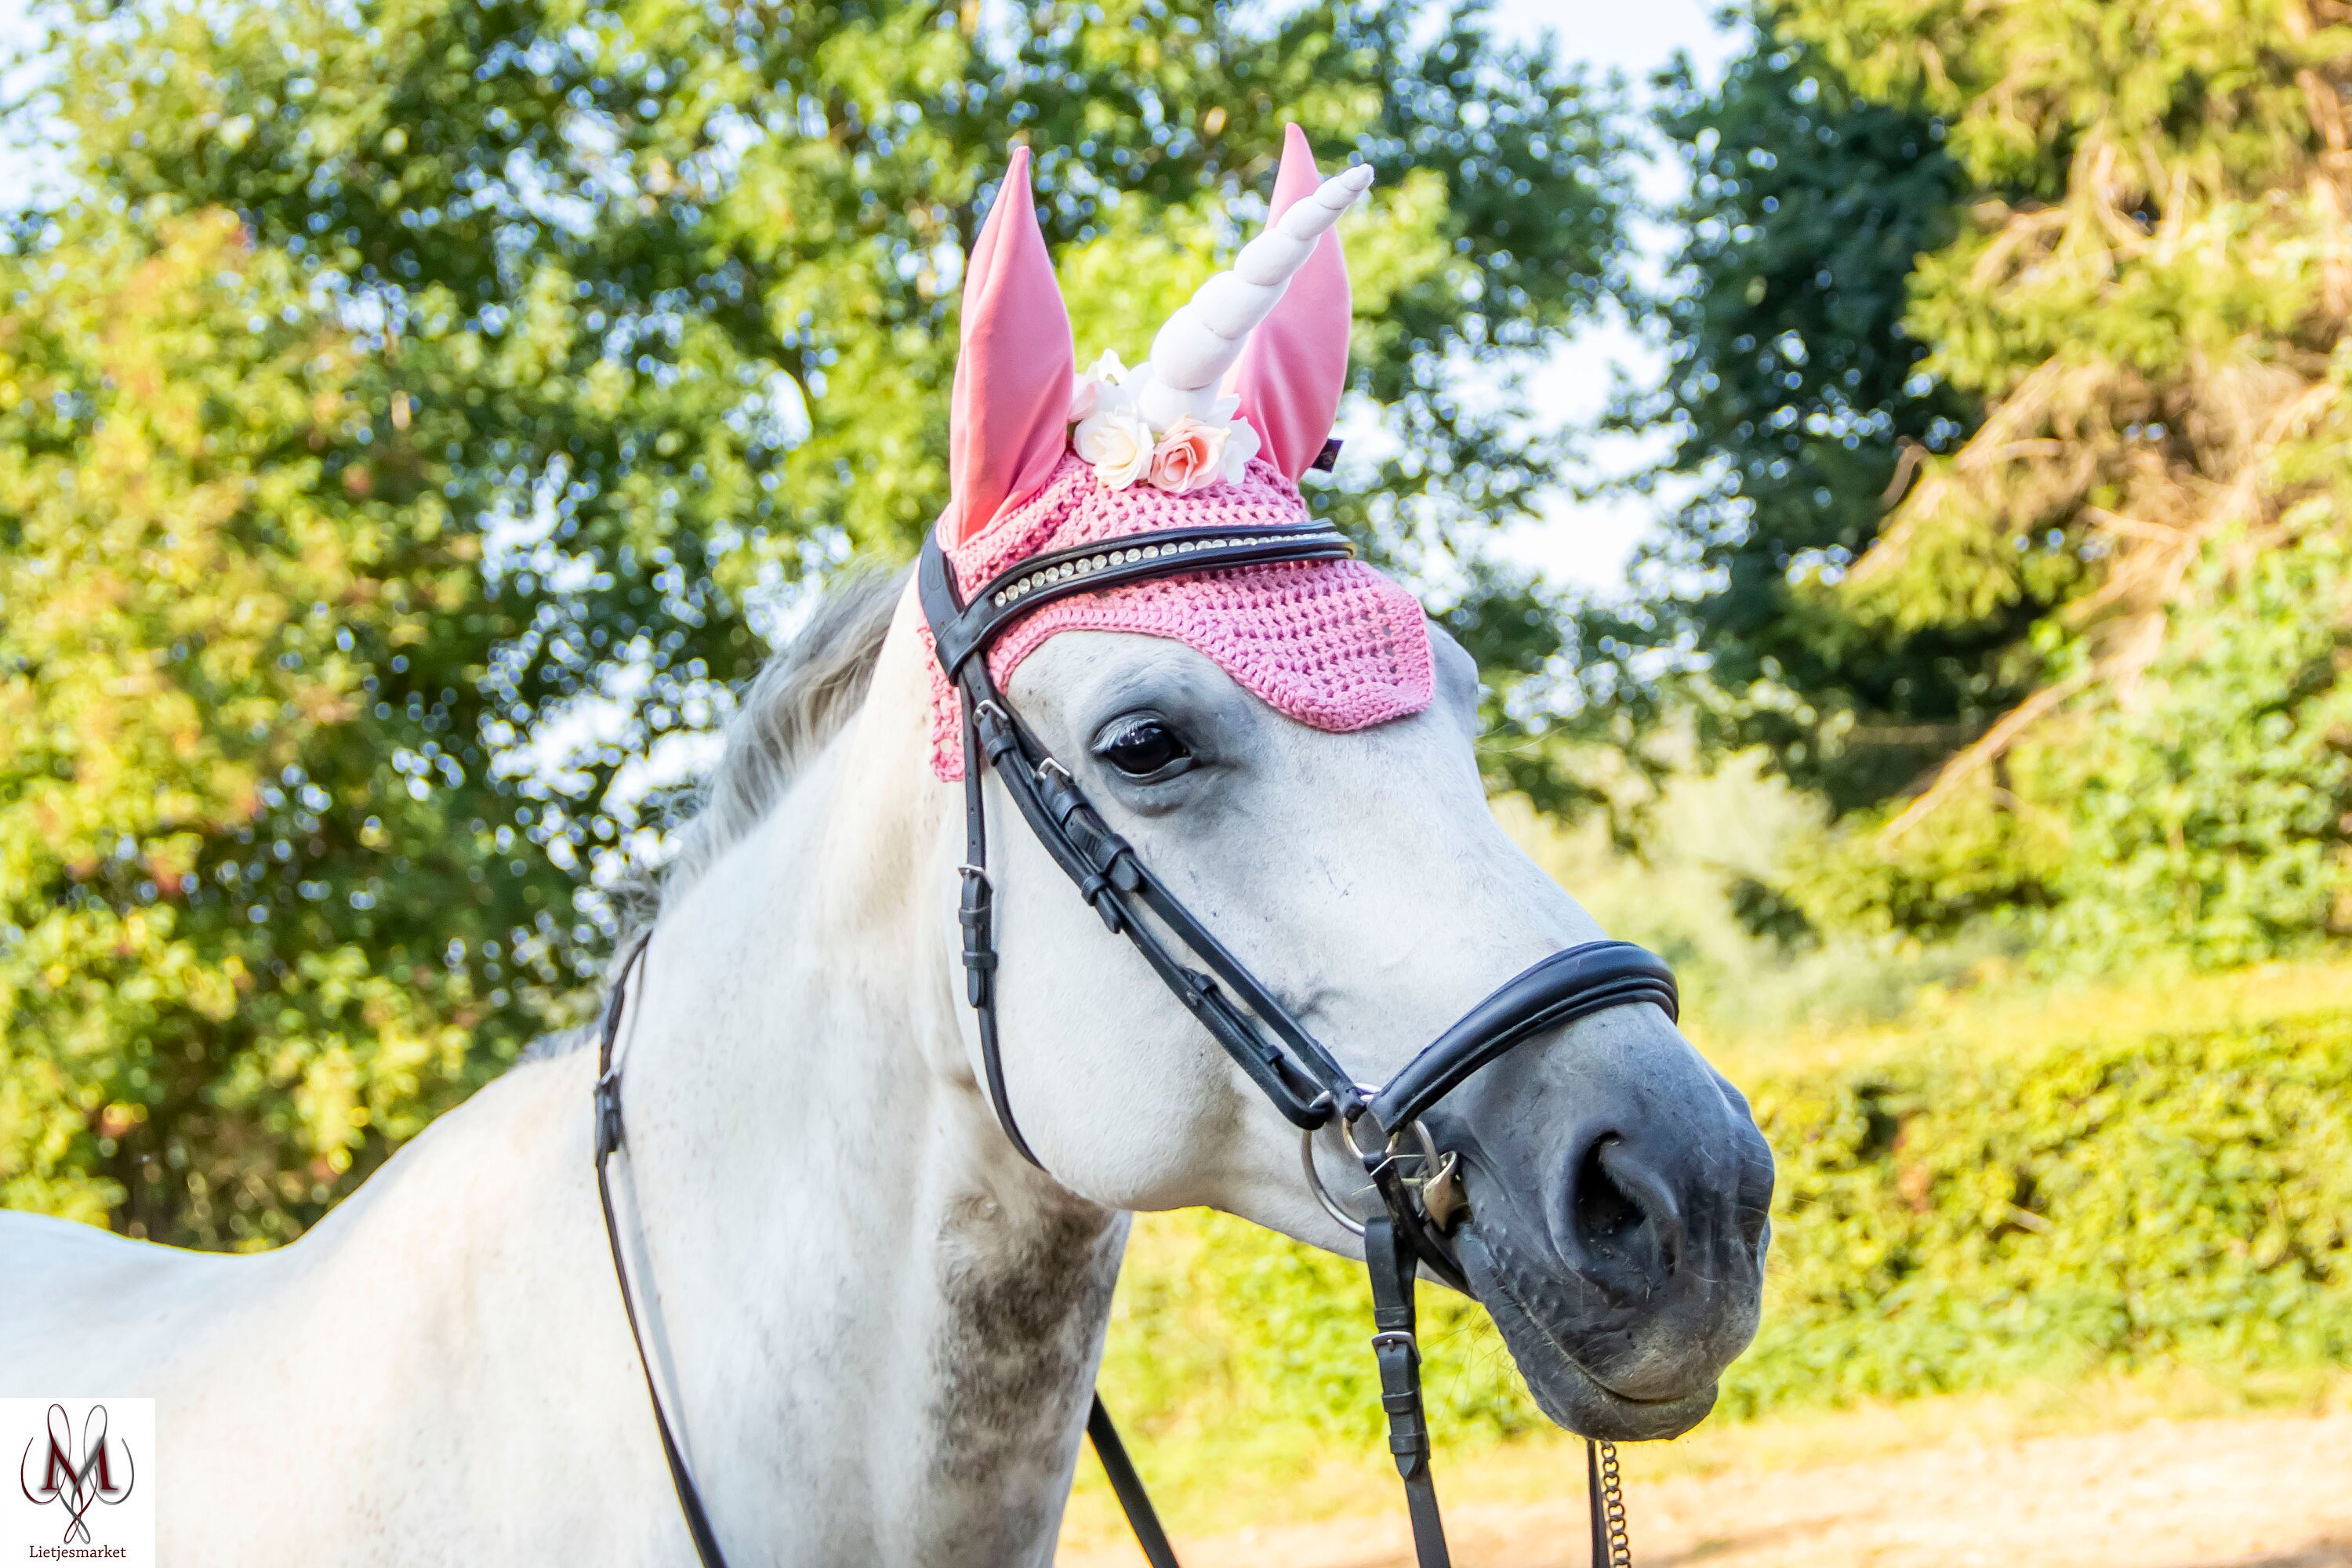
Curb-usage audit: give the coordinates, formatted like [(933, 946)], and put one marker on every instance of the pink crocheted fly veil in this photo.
[(1234, 404)]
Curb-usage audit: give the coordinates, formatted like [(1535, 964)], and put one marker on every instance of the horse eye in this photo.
[(1144, 749)]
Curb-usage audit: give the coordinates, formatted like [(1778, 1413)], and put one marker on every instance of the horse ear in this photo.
[(1009, 422), (1295, 366)]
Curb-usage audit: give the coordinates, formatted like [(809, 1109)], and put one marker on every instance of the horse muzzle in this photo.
[(1618, 1199)]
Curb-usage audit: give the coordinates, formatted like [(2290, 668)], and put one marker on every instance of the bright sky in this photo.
[(1633, 36), (1587, 542)]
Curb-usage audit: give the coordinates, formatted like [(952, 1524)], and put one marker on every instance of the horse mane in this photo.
[(799, 701)]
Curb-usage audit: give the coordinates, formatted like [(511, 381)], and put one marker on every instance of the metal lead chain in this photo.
[(1609, 1495)]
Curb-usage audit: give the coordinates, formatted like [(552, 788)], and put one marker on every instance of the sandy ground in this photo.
[(2250, 1492)]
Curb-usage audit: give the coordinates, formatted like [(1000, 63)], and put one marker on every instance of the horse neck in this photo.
[(857, 1281)]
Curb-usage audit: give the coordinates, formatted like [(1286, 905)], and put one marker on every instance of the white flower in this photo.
[(1241, 446), (1118, 445), (1098, 389), (1112, 398), (1128, 393)]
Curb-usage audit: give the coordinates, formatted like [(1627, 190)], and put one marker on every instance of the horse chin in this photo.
[(1564, 1391)]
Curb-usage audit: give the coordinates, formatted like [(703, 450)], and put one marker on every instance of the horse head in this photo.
[(1285, 743)]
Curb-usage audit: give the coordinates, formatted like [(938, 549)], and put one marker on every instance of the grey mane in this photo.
[(799, 701)]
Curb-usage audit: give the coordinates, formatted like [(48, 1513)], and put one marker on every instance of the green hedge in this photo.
[(1948, 1223), (1962, 1214)]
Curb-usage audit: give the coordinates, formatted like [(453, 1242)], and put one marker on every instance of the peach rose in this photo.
[(1190, 457), (1118, 443)]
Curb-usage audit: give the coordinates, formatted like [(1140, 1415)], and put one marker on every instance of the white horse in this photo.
[(875, 1324)]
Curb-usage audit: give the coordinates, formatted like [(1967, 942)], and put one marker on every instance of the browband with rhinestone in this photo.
[(1089, 568)]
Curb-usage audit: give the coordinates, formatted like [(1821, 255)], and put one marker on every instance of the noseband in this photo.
[(1418, 1185)]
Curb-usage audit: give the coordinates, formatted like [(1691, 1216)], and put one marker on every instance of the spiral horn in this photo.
[(1204, 337)]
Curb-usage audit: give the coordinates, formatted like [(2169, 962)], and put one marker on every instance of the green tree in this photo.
[(2151, 301), (250, 916), (1797, 398), (533, 341), (2199, 815), (2068, 663)]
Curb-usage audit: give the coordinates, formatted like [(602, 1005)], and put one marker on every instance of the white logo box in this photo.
[(80, 1481)]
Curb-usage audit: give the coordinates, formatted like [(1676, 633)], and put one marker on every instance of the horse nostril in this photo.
[(1604, 1211), (1625, 1229)]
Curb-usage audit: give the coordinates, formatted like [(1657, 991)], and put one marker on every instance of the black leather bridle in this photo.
[(1418, 1186)]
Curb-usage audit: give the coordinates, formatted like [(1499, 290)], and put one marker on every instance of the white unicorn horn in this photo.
[(1203, 339)]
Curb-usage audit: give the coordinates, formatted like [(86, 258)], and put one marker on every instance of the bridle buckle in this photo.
[(1437, 1189), (608, 1114)]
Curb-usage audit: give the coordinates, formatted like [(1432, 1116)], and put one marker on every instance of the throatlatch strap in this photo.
[(976, 915), (608, 1139)]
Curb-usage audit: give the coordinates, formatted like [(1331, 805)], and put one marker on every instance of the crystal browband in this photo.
[(1138, 557)]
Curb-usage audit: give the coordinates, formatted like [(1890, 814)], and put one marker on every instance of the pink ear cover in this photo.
[(1009, 423), (1331, 644), (1291, 374)]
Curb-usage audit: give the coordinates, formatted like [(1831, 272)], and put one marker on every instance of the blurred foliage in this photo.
[(1228, 1334), (1797, 398), (2021, 340), (2126, 1180), (2150, 299), (251, 900), (2200, 814), (1545, 735), (404, 407), (1954, 1221)]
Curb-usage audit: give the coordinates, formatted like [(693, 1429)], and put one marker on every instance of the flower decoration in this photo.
[(1118, 443), (1190, 457), (1113, 437)]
